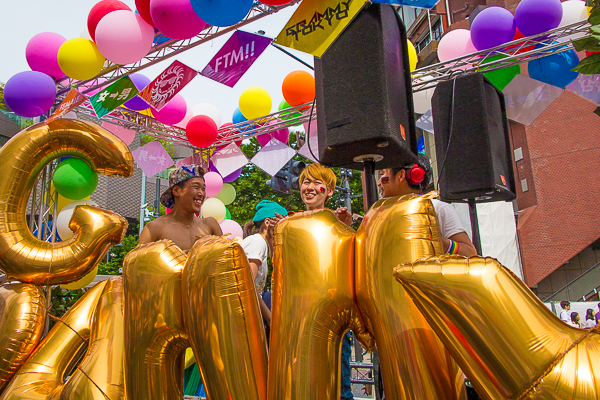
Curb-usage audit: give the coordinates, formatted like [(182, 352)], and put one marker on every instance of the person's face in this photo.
[(389, 183), (314, 193), (191, 195)]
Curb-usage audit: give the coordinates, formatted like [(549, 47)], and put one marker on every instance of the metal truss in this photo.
[(515, 52), (363, 373), (43, 206), (170, 48)]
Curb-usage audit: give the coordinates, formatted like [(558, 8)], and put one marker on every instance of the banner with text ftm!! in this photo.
[(235, 57), (316, 24)]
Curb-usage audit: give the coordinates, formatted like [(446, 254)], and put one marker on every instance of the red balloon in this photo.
[(589, 53), (143, 8), (100, 10), (519, 35), (225, 125), (201, 131)]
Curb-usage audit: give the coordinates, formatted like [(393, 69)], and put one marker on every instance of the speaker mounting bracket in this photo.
[(368, 157)]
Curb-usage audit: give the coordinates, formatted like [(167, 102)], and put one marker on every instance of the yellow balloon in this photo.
[(80, 59), (215, 208), (412, 55), (255, 102), (83, 282)]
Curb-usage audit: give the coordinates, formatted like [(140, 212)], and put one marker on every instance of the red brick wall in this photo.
[(564, 152)]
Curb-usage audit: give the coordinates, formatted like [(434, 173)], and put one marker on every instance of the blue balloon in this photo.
[(555, 69), (237, 118), (222, 12)]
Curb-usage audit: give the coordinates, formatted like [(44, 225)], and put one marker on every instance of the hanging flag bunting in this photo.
[(229, 159), (235, 57), (73, 100), (113, 96), (426, 122), (526, 98), (587, 86), (317, 23), (272, 157), (162, 89), (152, 158)]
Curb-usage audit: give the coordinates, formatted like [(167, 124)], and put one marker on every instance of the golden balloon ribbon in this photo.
[(506, 341), (414, 363), (22, 256)]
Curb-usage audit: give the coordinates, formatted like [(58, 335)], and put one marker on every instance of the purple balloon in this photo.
[(492, 27), (30, 93), (41, 53), (137, 104), (537, 16)]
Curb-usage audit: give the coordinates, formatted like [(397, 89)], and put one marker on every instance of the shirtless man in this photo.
[(185, 196)]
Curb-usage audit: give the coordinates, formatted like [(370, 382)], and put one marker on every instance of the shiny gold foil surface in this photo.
[(22, 319), (43, 374), (414, 363), (223, 320), (155, 338), (22, 256), (99, 376), (506, 341), (312, 306)]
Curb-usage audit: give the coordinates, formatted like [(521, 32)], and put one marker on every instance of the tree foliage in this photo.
[(116, 255), (590, 65)]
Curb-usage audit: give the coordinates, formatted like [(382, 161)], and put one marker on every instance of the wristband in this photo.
[(453, 247)]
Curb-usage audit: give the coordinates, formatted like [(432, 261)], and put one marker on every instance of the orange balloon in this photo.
[(298, 88)]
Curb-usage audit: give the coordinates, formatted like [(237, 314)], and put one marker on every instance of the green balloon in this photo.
[(227, 194), (227, 213), (74, 179), (501, 77), (285, 116)]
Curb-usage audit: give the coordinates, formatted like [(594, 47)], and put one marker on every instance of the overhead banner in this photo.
[(317, 23), (413, 3), (152, 158), (235, 57), (162, 89), (113, 96), (73, 100)]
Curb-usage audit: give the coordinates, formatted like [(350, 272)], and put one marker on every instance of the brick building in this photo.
[(557, 170)]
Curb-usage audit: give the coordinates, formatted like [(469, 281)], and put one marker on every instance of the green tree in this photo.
[(2, 103), (116, 255), (590, 65)]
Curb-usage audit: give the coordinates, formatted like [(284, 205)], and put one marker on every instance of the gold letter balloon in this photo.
[(126, 338)]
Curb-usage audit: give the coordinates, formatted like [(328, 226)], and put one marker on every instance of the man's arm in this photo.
[(215, 228), (147, 235), (465, 246)]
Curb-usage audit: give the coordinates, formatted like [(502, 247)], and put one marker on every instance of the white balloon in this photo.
[(422, 98), (64, 217), (215, 208), (208, 110), (231, 227), (189, 113), (573, 11), (86, 34)]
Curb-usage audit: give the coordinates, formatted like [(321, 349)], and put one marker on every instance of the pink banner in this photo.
[(162, 89), (152, 158)]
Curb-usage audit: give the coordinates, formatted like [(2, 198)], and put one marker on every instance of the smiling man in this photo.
[(185, 196)]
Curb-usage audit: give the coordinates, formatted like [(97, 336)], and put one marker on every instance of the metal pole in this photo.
[(41, 207), (157, 198), (370, 185), (143, 202), (345, 175), (474, 226)]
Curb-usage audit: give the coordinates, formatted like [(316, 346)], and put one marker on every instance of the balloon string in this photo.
[(553, 364), (91, 380)]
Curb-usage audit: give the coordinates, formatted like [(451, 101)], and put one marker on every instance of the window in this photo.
[(408, 15)]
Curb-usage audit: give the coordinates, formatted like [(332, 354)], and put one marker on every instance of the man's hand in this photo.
[(344, 215)]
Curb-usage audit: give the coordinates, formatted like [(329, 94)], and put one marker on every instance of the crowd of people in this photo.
[(592, 317), (186, 193)]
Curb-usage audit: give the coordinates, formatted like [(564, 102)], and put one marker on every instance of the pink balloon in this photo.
[(231, 227), (189, 113), (454, 44), (214, 183), (173, 112), (176, 18), (123, 37), (282, 135), (41, 53)]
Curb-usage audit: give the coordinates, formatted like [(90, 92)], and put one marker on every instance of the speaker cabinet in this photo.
[(364, 93), (471, 139)]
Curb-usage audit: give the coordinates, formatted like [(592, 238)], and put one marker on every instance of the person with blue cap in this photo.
[(258, 243)]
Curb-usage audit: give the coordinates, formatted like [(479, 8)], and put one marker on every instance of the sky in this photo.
[(21, 20)]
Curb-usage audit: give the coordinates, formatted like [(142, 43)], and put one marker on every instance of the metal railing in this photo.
[(568, 287)]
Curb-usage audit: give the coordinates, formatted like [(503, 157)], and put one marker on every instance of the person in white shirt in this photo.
[(258, 243), (414, 179), (590, 318), (564, 314)]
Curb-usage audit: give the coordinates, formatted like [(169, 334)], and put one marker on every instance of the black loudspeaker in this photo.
[(471, 140), (364, 94)]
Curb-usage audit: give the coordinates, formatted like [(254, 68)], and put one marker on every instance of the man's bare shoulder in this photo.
[(211, 225)]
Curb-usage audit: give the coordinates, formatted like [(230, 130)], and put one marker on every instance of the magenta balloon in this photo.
[(455, 43), (283, 135), (30, 93), (492, 27), (41, 53), (137, 104), (173, 112), (232, 176), (176, 18), (213, 182), (537, 16), (123, 37)]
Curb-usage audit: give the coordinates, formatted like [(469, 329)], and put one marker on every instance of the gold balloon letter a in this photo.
[(508, 343), (22, 256)]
